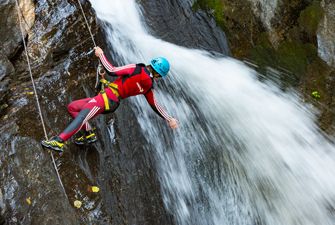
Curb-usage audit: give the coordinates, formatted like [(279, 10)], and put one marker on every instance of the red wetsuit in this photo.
[(133, 79)]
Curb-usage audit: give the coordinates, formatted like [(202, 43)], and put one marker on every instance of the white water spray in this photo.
[(245, 153)]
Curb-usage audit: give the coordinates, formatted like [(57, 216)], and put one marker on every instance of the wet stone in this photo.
[(9, 28), (32, 175), (2, 204), (6, 68), (326, 33)]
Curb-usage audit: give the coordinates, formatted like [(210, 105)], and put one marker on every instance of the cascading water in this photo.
[(245, 152)]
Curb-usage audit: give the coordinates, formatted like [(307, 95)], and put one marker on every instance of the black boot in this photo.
[(86, 137)]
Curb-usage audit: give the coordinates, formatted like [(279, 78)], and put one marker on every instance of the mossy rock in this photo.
[(295, 56), (263, 52), (310, 17), (213, 6)]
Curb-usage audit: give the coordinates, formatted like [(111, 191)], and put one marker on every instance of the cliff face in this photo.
[(30, 193), (293, 38), (10, 41), (9, 27), (326, 33), (25, 169)]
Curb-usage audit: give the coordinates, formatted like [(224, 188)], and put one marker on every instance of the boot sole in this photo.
[(51, 147), (87, 142)]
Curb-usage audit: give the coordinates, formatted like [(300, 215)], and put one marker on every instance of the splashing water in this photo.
[(245, 152)]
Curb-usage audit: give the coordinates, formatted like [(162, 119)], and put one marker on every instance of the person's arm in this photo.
[(173, 123), (113, 70)]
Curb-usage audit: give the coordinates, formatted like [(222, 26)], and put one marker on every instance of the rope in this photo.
[(88, 26), (35, 92), (31, 76), (92, 37)]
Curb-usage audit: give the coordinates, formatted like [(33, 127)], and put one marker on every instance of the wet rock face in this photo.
[(326, 33), (10, 41), (127, 168), (265, 9), (26, 175), (9, 26), (239, 22), (6, 70), (30, 193), (199, 27), (26, 171)]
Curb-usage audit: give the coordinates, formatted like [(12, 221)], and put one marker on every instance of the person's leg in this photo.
[(89, 135), (75, 107), (92, 108)]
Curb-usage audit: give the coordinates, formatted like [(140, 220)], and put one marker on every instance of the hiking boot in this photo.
[(87, 137), (54, 143)]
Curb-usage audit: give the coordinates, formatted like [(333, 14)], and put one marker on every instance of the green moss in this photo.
[(310, 17), (213, 6), (293, 56), (263, 52)]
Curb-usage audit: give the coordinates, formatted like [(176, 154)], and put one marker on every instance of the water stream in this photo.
[(245, 152)]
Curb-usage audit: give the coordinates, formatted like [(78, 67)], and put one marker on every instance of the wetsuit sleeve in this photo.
[(116, 71), (155, 106)]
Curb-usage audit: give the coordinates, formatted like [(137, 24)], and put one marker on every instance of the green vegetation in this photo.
[(212, 6), (292, 51), (295, 56), (263, 52), (310, 17), (316, 94)]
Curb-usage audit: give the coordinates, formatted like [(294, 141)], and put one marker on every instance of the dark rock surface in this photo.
[(6, 70), (326, 33), (122, 166), (9, 27), (190, 29)]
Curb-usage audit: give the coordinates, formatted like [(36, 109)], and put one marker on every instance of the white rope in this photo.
[(88, 26), (31, 76), (35, 93), (89, 29)]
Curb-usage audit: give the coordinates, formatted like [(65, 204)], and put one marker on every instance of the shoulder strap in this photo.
[(138, 70)]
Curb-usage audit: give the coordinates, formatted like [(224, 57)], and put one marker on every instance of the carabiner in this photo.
[(101, 70)]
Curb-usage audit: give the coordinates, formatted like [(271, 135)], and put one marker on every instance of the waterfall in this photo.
[(245, 152)]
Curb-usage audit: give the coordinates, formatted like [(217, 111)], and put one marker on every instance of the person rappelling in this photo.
[(132, 79)]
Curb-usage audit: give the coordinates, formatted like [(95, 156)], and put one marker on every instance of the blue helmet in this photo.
[(160, 65)]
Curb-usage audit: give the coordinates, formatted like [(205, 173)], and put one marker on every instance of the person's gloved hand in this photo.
[(173, 123), (98, 51)]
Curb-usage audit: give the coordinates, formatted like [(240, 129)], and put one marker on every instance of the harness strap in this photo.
[(104, 96), (137, 70), (114, 89)]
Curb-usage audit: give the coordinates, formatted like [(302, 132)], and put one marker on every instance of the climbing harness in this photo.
[(114, 88), (35, 92)]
